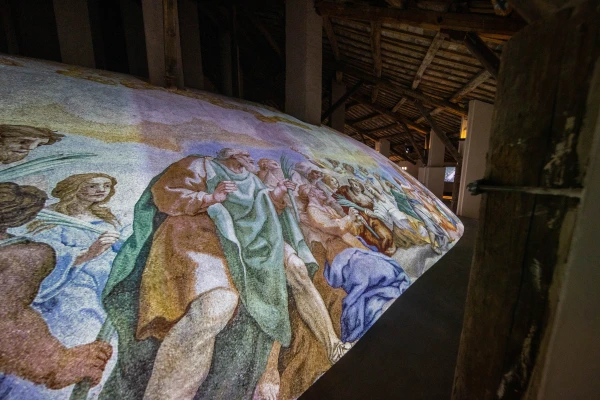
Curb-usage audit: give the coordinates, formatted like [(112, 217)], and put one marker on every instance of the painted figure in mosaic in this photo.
[(69, 298), (379, 234), (212, 254), (17, 141), (36, 359)]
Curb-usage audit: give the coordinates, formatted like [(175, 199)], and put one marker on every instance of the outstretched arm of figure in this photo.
[(27, 348)]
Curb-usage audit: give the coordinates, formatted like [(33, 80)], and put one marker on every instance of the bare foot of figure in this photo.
[(78, 363), (339, 349), (268, 386)]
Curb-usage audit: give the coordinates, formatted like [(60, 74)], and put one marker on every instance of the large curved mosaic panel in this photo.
[(160, 244)]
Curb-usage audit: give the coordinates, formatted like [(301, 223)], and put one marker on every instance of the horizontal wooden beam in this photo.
[(395, 88), (439, 132), (467, 22), (396, 117)]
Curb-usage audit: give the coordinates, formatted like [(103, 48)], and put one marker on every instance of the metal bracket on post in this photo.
[(481, 186)]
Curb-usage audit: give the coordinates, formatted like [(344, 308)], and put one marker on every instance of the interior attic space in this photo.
[(299, 199)]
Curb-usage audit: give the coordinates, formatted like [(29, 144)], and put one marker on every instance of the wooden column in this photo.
[(133, 25), (191, 54), (383, 146), (303, 31), (542, 134), (338, 116), (74, 32), (155, 41)]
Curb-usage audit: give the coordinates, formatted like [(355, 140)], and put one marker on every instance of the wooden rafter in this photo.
[(477, 48), (331, 37), (431, 52), (467, 22), (385, 129), (436, 42), (376, 54), (395, 88), (438, 131), (396, 117), (477, 80), (173, 70), (368, 117), (414, 143)]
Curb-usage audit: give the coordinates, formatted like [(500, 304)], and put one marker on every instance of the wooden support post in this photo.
[(524, 248), (341, 100), (191, 49), (173, 64), (133, 25), (438, 131), (304, 39), (155, 42), (74, 32)]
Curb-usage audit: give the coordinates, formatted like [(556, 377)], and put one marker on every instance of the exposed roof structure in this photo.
[(440, 53)]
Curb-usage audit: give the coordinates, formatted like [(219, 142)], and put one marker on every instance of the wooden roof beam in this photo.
[(385, 129), (478, 49), (439, 132), (366, 118), (477, 80), (395, 88), (376, 53), (466, 22), (331, 37), (429, 56), (376, 107)]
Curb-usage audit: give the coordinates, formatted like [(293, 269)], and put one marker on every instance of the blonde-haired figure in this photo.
[(69, 298)]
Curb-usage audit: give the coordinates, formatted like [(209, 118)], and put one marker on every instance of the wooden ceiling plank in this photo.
[(376, 54), (376, 107), (394, 88)]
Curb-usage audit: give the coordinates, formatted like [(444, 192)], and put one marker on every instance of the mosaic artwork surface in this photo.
[(159, 244)]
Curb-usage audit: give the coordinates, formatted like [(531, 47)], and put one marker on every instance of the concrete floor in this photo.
[(410, 353)]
